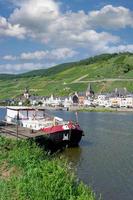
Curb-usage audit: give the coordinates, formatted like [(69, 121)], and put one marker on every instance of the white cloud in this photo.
[(7, 29), (55, 54), (62, 53), (120, 48), (22, 67), (93, 37), (45, 22), (39, 55), (113, 49), (35, 14), (9, 57), (111, 17)]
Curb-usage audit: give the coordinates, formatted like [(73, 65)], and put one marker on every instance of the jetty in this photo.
[(18, 132)]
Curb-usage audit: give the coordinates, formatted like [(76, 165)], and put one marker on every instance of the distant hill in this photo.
[(6, 76), (75, 76)]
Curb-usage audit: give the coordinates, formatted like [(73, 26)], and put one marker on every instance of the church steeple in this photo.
[(89, 91), (26, 93)]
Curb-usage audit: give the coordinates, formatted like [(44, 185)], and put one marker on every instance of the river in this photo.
[(104, 158)]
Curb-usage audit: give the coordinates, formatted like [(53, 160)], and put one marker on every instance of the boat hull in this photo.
[(69, 137), (60, 139), (69, 134)]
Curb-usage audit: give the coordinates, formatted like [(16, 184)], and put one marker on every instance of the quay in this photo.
[(17, 132)]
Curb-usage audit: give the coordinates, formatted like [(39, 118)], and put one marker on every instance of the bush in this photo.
[(27, 173)]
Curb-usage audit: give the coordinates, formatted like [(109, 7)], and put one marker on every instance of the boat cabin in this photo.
[(17, 113), (29, 117)]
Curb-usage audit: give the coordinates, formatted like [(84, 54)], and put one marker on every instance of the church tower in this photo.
[(26, 93), (89, 91)]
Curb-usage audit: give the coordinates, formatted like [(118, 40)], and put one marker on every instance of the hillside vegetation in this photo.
[(66, 78)]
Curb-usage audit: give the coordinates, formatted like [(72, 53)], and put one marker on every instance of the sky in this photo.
[(37, 34)]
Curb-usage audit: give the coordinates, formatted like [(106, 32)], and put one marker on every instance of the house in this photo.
[(67, 102), (102, 100), (88, 101), (126, 102), (78, 98), (115, 102), (52, 101), (81, 97), (129, 101), (75, 98)]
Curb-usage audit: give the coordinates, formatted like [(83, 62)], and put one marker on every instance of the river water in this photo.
[(104, 158)]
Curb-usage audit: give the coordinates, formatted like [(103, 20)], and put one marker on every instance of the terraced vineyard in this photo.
[(106, 72)]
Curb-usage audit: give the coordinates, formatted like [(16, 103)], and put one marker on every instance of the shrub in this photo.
[(33, 175)]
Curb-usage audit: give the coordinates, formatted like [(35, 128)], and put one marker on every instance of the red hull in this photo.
[(70, 134)]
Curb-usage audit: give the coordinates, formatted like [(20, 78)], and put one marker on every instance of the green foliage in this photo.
[(59, 80), (27, 173)]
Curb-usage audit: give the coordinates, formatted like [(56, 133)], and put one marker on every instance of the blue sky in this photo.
[(38, 34)]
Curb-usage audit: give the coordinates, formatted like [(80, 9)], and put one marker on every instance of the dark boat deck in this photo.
[(12, 131)]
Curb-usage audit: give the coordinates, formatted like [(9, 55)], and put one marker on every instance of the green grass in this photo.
[(27, 173), (58, 80)]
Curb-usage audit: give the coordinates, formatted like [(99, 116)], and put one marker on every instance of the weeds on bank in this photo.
[(28, 173)]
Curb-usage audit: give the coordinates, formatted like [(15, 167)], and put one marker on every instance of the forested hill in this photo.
[(68, 77)]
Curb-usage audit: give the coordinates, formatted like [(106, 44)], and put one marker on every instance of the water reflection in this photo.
[(73, 155), (106, 158)]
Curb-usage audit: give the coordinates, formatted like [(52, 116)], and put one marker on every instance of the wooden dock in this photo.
[(14, 131)]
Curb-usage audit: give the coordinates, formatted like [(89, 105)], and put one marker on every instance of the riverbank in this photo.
[(86, 109), (89, 109), (27, 172), (102, 109)]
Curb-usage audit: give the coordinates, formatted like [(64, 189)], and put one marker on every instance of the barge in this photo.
[(44, 126)]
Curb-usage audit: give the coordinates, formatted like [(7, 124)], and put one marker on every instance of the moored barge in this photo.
[(52, 128)]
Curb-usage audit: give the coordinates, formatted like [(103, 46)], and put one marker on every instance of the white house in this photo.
[(68, 102), (101, 100), (121, 102), (52, 101), (127, 102), (88, 101)]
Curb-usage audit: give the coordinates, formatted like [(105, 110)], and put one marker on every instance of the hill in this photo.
[(106, 72)]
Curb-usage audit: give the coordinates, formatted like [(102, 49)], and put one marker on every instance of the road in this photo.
[(79, 80)]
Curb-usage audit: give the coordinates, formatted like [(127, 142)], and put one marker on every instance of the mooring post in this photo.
[(17, 131), (17, 124)]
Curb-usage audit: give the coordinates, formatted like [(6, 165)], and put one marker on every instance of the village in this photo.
[(119, 98)]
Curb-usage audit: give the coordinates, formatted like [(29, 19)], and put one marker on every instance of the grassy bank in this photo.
[(27, 173)]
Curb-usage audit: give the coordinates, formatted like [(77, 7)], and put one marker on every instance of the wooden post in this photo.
[(17, 130), (76, 114), (17, 124)]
